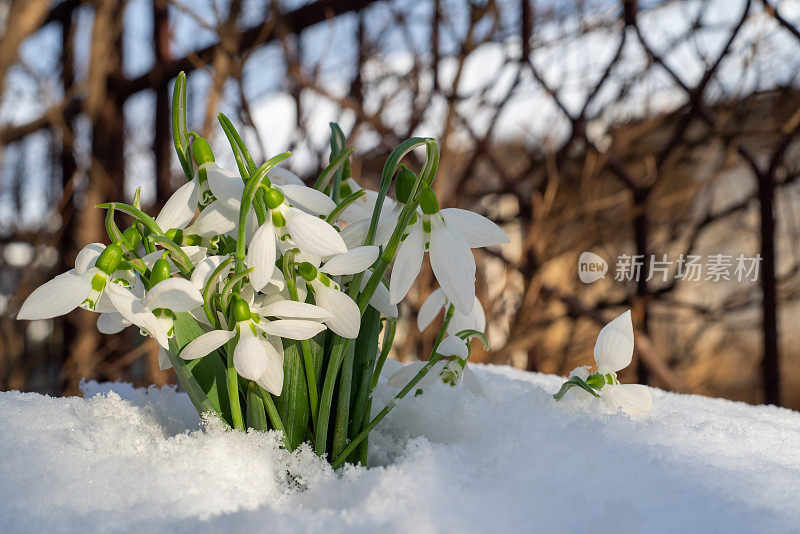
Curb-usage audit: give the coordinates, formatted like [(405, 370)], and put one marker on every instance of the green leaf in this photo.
[(366, 352), (342, 420), (208, 372), (256, 416), (292, 404)]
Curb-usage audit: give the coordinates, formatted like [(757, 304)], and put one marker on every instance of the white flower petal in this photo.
[(453, 265), (215, 219), (614, 347), (261, 255), (164, 362), (205, 268), (473, 384), (281, 176), (88, 256), (632, 398), (272, 378), (390, 367), (250, 356), (355, 234), (111, 323), (57, 297), (179, 208), (353, 261), (312, 234), (453, 346), (133, 311), (430, 309), (289, 309), (226, 185), (176, 294), (406, 265), (404, 375), (477, 230), (474, 320), (309, 199), (408, 372), (346, 319), (380, 299), (206, 343), (292, 328)]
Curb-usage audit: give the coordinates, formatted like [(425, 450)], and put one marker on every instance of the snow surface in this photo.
[(125, 460)]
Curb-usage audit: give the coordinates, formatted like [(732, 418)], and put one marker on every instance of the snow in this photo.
[(126, 460)]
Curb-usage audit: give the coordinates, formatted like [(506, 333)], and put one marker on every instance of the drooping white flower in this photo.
[(447, 235), (258, 354), (451, 370), (437, 301), (84, 286), (613, 352)]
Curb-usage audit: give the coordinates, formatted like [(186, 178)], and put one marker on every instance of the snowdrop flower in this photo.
[(258, 354), (437, 301), (180, 208), (451, 370), (85, 286), (154, 311), (613, 352), (447, 235)]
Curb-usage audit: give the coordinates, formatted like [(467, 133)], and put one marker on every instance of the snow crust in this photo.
[(128, 460)]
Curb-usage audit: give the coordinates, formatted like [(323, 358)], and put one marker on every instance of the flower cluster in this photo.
[(613, 352), (267, 296)]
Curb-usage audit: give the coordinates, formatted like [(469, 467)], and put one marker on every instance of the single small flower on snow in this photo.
[(613, 352), (451, 370)]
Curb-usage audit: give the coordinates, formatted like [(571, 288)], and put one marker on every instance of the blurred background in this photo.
[(654, 134)]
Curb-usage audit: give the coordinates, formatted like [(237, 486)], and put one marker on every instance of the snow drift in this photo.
[(124, 460)]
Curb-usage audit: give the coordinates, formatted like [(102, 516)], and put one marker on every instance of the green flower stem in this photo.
[(179, 135), (232, 381), (390, 250), (274, 416), (388, 340), (343, 205), (325, 177), (574, 381), (207, 292), (342, 457)]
